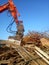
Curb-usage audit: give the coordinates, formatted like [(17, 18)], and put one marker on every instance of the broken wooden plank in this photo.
[(42, 57), (4, 62), (42, 52)]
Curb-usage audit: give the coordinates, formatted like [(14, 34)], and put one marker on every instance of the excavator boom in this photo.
[(3, 7), (12, 9)]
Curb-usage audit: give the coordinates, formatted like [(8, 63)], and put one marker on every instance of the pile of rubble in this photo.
[(9, 56), (33, 50), (34, 38), (21, 56)]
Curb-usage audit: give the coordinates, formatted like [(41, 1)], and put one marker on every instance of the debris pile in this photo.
[(34, 37), (31, 52), (9, 56)]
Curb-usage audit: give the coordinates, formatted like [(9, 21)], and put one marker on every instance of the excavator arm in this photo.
[(14, 12)]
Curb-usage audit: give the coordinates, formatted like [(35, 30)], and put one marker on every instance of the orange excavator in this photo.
[(14, 12)]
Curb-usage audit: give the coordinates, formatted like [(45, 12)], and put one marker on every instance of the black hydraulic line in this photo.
[(9, 28)]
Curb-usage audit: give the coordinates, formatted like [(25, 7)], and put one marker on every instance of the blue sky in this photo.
[(34, 13)]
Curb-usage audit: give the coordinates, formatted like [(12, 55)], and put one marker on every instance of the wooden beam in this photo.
[(42, 52), (42, 57), (4, 62)]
